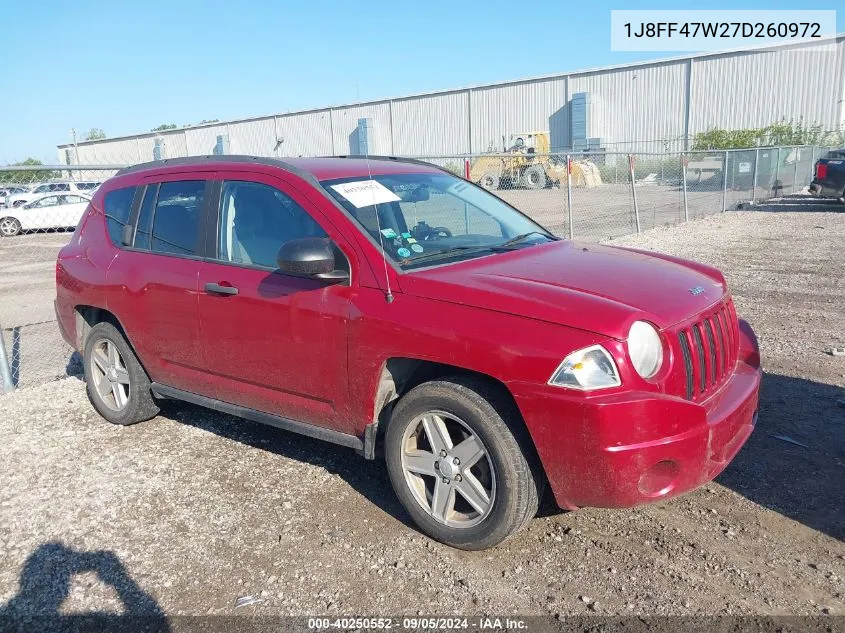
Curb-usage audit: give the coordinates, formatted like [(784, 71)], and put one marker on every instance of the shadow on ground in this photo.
[(45, 584), (804, 484)]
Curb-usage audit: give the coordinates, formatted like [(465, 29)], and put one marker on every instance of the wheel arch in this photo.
[(401, 374), (87, 316)]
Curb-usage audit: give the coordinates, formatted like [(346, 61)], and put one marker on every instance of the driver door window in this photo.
[(256, 219)]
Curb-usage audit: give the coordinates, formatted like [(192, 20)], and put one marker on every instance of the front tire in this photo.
[(9, 227), (457, 466), (534, 177), (117, 385)]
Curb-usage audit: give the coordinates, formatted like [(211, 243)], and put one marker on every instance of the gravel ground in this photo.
[(193, 510)]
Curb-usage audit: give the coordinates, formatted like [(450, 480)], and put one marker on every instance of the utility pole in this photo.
[(75, 146)]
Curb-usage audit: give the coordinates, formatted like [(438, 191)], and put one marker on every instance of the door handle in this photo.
[(217, 289)]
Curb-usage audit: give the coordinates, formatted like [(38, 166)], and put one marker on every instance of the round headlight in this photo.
[(645, 349)]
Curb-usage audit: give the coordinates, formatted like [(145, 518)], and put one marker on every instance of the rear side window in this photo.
[(117, 205), (176, 217)]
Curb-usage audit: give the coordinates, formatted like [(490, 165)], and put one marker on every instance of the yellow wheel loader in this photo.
[(525, 162)]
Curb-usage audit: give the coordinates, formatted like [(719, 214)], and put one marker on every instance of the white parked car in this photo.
[(53, 211), (86, 187), (11, 190)]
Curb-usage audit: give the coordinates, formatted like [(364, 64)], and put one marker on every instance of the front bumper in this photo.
[(631, 448)]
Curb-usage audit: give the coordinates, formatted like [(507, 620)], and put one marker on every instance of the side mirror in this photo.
[(309, 256)]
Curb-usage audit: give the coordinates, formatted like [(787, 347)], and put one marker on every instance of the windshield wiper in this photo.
[(445, 253), (521, 238)]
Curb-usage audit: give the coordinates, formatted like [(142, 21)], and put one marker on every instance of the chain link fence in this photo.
[(39, 208), (585, 196)]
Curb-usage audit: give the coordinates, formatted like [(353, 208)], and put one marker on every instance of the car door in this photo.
[(70, 212), (275, 342), (43, 213), (156, 277)]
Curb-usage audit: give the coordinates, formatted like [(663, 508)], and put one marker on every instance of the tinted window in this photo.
[(60, 186), (43, 189), (176, 218), (117, 205), (145, 218), (256, 219), (86, 186)]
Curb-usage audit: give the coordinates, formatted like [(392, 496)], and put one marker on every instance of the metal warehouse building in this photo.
[(647, 106)]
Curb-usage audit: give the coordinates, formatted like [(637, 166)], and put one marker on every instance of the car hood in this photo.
[(595, 288)]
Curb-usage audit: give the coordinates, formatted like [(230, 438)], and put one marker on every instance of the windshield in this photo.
[(430, 219)]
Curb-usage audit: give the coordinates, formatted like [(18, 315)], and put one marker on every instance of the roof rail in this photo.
[(218, 158)]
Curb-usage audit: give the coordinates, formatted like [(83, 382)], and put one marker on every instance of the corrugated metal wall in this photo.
[(754, 89), (525, 107), (434, 125), (305, 134), (644, 104), (634, 108), (345, 128)]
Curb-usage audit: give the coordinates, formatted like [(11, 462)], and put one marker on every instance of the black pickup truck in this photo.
[(829, 181)]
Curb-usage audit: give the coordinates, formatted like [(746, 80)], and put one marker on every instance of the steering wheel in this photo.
[(437, 233)]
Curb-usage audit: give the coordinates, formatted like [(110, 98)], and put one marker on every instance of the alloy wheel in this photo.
[(448, 470), (9, 227), (111, 378)]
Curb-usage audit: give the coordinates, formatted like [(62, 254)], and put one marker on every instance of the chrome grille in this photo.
[(709, 351)]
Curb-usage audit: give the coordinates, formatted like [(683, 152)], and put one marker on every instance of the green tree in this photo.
[(95, 134), (26, 176), (781, 133), (165, 126)]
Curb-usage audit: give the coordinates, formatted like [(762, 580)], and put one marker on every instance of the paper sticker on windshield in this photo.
[(416, 248), (403, 252), (365, 193), (388, 233)]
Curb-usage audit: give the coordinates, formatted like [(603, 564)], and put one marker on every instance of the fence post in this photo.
[(754, 183), (775, 187), (569, 192), (795, 175), (725, 183), (684, 182), (5, 369), (634, 190)]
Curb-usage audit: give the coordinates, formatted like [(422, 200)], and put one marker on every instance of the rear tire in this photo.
[(117, 385), (9, 227), (534, 177), (485, 487)]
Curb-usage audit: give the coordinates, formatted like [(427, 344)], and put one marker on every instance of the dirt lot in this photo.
[(193, 510)]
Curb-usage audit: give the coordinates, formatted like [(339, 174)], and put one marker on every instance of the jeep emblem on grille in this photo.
[(697, 290)]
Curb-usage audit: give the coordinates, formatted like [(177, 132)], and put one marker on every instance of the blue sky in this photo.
[(126, 67)]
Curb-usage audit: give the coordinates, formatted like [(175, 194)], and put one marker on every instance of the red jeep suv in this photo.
[(394, 308)]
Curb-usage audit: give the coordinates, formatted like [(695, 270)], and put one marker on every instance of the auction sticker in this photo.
[(365, 193), (416, 248), (403, 252)]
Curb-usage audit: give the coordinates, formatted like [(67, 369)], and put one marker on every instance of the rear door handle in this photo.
[(221, 290)]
